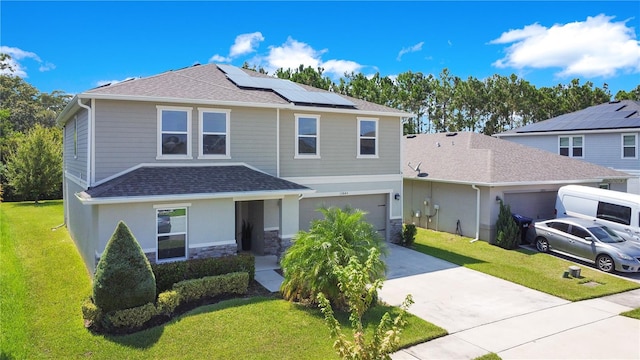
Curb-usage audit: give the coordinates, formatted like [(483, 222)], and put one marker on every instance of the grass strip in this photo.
[(542, 272)]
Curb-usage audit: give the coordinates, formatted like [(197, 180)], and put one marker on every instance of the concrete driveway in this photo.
[(485, 314)]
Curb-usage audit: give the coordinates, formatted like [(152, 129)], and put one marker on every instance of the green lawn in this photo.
[(635, 313), (534, 270), (43, 282)]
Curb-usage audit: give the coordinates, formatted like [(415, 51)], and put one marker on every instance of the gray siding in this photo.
[(82, 225), (604, 149), (338, 152), (76, 165), (126, 135)]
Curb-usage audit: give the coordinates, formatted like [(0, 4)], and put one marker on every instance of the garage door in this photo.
[(535, 205), (375, 206)]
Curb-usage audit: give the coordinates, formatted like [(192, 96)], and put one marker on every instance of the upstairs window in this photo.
[(174, 132), (367, 138), (629, 146), (214, 133), (307, 136), (571, 146)]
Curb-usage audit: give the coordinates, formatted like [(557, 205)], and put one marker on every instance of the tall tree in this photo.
[(34, 166), (631, 95), (308, 76)]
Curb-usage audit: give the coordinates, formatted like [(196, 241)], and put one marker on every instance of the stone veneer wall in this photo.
[(204, 252), (395, 231), (272, 242)]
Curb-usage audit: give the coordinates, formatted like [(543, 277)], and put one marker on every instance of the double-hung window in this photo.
[(571, 146), (367, 138), (629, 146), (174, 132), (171, 234), (307, 136), (214, 133)]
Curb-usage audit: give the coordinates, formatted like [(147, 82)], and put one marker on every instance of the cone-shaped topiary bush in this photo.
[(507, 228), (123, 277)]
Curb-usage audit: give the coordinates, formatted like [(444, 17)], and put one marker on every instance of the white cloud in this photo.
[(410, 49), (18, 56), (219, 59), (292, 54), (245, 44), (592, 48), (339, 67)]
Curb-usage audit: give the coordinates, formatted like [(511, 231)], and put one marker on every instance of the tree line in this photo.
[(446, 103), (31, 142)]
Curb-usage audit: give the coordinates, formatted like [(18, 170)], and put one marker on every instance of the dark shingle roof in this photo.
[(613, 115), (475, 158), (189, 180)]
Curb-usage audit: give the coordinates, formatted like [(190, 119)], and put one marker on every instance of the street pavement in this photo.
[(484, 314)]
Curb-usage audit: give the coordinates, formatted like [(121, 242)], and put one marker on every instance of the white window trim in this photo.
[(156, 208), (635, 137), (159, 155), (307, 156), (75, 137), (571, 137), (201, 133), (376, 138)]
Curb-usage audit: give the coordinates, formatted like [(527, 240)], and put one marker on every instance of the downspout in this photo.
[(477, 189), (89, 129)]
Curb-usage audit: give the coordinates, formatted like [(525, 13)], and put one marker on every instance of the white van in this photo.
[(617, 210)]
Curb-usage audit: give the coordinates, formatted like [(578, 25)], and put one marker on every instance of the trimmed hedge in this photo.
[(184, 292), (168, 274), (211, 286)]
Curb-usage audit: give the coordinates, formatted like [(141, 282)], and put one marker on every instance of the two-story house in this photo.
[(187, 157), (605, 134)]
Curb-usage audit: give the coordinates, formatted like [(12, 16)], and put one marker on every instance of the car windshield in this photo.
[(605, 234)]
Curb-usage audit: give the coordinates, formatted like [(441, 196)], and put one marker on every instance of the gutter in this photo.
[(519, 183), (477, 189)]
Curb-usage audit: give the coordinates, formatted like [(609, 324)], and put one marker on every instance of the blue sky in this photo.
[(74, 46)]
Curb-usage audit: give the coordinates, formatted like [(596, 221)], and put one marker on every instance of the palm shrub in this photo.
[(123, 277), (506, 228), (310, 264), (359, 292)]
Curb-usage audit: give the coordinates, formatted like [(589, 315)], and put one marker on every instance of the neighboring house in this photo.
[(454, 182), (606, 135), (186, 157)]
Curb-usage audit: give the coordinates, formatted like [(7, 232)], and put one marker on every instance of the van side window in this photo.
[(612, 212)]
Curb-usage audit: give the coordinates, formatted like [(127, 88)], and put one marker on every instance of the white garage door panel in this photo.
[(535, 205), (374, 205)]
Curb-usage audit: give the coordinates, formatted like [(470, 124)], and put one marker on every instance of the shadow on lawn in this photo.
[(446, 255), (41, 203), (147, 338)]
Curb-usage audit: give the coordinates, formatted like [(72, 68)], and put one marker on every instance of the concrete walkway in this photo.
[(485, 314)]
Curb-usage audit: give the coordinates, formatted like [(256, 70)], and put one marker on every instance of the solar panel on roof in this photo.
[(285, 88)]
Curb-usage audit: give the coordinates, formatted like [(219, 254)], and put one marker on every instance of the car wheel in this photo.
[(605, 263), (542, 244)]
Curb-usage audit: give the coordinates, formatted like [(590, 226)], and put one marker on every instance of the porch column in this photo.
[(289, 219)]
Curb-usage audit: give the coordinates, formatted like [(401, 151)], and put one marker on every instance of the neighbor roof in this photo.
[(484, 160), (613, 115), (208, 84), (189, 182)]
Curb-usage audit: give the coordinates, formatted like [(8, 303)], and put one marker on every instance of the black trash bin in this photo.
[(523, 224)]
